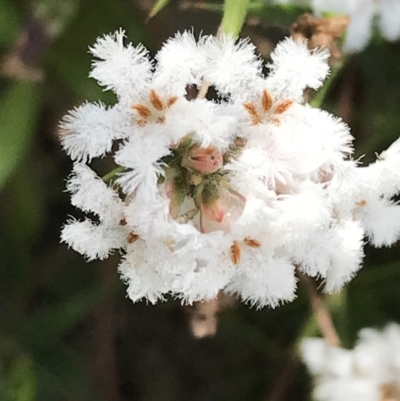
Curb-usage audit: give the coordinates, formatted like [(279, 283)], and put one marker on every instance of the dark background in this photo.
[(67, 330)]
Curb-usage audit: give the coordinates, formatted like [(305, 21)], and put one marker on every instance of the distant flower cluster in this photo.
[(232, 194), (369, 372), (362, 14)]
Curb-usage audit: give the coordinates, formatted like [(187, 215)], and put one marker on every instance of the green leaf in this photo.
[(277, 14), (62, 375), (9, 21), (19, 383), (160, 4), (46, 327), (18, 115), (235, 12), (69, 58)]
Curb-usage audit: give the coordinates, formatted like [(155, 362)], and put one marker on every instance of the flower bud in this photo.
[(203, 160), (218, 212)]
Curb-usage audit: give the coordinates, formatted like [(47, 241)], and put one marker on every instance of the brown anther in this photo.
[(142, 110), (251, 109), (283, 106), (156, 101), (266, 100), (123, 222), (132, 237), (235, 253), (390, 392), (172, 100), (362, 203), (251, 242), (161, 120), (141, 123)]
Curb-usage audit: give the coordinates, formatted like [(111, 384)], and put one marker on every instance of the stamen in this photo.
[(251, 242), (156, 101), (282, 107), (143, 110), (161, 120), (251, 109), (132, 237), (266, 100), (362, 203), (172, 100), (235, 253)]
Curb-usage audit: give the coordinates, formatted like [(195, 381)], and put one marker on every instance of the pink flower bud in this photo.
[(215, 211), (220, 213), (203, 160)]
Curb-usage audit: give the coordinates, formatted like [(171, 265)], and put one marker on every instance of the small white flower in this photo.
[(180, 62), (295, 68), (77, 129), (232, 67), (142, 157), (371, 371), (125, 70)]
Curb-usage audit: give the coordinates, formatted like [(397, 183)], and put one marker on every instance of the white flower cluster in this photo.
[(362, 14), (232, 194), (369, 372)]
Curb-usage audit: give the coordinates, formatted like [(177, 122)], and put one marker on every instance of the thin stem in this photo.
[(109, 176), (203, 89), (321, 313)]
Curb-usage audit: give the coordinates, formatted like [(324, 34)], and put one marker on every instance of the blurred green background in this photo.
[(67, 330)]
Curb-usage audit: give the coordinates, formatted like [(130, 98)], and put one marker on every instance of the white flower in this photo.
[(91, 194), (141, 156), (371, 371), (180, 62), (77, 129), (125, 70), (295, 68), (233, 194), (233, 67)]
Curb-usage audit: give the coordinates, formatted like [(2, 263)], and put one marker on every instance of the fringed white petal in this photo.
[(94, 241), (124, 69)]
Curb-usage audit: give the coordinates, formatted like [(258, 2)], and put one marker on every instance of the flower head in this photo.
[(371, 371), (232, 194)]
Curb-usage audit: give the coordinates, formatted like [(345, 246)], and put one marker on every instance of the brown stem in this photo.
[(320, 312)]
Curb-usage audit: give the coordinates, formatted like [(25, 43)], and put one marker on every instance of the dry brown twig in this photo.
[(320, 32), (322, 315)]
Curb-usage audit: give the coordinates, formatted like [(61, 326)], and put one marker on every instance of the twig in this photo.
[(320, 312)]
